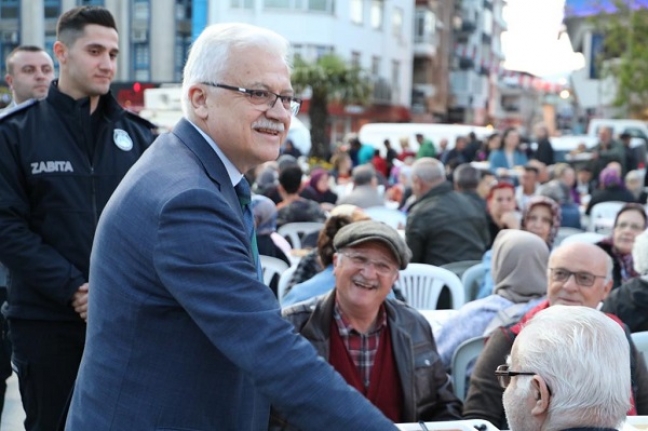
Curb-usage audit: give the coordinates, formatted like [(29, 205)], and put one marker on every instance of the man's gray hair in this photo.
[(363, 175), (428, 170), (584, 357), (209, 56), (640, 254), (466, 177)]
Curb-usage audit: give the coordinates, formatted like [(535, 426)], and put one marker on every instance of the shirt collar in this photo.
[(345, 327), (234, 175)]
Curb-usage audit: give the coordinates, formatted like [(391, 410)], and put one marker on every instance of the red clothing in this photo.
[(384, 390), (380, 165)]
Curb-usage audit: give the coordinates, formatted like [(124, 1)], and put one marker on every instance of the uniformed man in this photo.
[(60, 160)]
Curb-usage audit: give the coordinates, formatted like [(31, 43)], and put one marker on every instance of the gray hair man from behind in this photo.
[(569, 368)]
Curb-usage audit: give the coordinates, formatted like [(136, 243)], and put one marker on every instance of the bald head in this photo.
[(579, 274)]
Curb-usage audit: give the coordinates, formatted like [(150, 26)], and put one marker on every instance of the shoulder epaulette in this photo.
[(18, 108)]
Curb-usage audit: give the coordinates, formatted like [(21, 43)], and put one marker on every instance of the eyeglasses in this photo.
[(263, 97), (584, 279), (504, 375), (382, 268)]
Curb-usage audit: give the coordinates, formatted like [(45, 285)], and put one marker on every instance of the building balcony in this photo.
[(487, 39), (425, 46), (466, 63), (468, 27)]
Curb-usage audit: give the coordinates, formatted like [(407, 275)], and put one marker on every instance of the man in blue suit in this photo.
[(181, 333)]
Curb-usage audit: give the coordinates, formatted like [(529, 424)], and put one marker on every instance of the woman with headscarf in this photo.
[(318, 188), (630, 301), (630, 221), (519, 268), (542, 217), (611, 188)]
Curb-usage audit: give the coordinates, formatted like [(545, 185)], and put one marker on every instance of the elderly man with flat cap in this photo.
[(382, 347)]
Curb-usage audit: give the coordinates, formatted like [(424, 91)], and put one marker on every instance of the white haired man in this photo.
[(547, 389), (578, 274), (184, 334)]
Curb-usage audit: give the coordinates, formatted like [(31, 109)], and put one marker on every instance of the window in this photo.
[(397, 22), (357, 11), (141, 10), (183, 10), (182, 44), (50, 38), (355, 59), (310, 53), (377, 14), (320, 5), (395, 79), (141, 61), (242, 4), (278, 4), (9, 9), (375, 66), (90, 2), (52, 8), (424, 26)]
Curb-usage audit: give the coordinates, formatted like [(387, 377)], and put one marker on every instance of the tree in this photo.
[(329, 79), (624, 56)]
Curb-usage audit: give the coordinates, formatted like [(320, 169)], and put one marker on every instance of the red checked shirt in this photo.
[(361, 347)]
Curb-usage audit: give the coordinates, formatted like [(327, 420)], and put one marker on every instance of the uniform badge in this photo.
[(122, 140)]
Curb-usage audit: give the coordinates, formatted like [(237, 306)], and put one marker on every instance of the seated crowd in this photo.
[(343, 296)]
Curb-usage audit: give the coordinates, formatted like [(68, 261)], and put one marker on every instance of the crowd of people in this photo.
[(134, 294)]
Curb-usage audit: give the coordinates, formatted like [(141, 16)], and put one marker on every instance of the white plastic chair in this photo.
[(294, 232), (565, 232), (389, 216), (471, 280), (603, 213), (421, 285), (466, 353), (588, 237), (283, 282), (640, 340), (271, 266)]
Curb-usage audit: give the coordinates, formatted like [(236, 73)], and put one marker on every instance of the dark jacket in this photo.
[(484, 399), (544, 152), (630, 304), (55, 179), (614, 193), (445, 226), (426, 386)]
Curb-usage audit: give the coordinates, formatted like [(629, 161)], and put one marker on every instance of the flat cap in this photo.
[(371, 230)]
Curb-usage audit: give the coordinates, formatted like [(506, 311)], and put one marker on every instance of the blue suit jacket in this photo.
[(498, 159), (181, 334)]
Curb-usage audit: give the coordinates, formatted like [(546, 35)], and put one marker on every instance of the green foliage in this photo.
[(330, 78), (625, 56)]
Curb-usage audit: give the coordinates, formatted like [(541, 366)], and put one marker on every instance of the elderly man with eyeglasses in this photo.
[(382, 347), (578, 274), (569, 369)]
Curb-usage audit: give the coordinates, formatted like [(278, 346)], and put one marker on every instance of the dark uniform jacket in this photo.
[(58, 167)]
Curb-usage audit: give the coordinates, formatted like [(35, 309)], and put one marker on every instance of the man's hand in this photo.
[(80, 301)]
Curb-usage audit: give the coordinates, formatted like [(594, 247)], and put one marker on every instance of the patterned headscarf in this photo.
[(609, 177), (555, 213)]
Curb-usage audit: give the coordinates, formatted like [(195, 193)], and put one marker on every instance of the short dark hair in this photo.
[(21, 48), (533, 169), (71, 24), (466, 177), (325, 248), (290, 179)]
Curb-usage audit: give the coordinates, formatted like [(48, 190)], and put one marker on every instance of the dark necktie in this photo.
[(243, 192)]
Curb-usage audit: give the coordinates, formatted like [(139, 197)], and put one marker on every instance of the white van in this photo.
[(376, 133)]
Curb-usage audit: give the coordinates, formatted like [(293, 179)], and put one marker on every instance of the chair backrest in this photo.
[(465, 354), (640, 340), (283, 282), (458, 268), (294, 232), (606, 211), (390, 216), (588, 237), (271, 266), (421, 284), (564, 232), (471, 280)]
